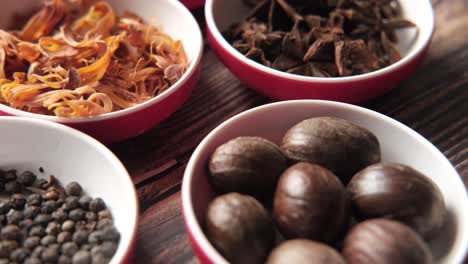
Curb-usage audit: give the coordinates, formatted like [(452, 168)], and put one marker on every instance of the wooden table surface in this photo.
[(434, 102)]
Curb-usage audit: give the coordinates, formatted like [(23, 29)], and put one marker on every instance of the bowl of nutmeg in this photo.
[(312, 181)]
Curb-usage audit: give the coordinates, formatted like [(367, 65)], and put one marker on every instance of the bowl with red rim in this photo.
[(173, 18), (413, 46), (192, 4), (47, 148), (398, 144)]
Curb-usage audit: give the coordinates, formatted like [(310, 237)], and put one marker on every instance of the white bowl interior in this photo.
[(221, 14), (69, 155), (398, 144), (168, 15)]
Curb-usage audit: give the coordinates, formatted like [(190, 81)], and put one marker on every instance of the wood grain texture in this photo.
[(434, 102)]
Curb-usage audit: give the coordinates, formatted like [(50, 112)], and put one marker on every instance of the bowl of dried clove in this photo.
[(346, 51), (64, 197)]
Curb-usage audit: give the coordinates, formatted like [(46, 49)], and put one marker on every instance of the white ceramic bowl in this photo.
[(171, 17), (398, 144), (280, 85), (69, 155)]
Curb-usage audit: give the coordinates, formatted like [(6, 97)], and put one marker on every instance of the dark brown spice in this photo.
[(42, 222), (320, 38)]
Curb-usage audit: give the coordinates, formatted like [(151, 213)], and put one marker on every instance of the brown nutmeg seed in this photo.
[(240, 228), (398, 192), (385, 242), (310, 202), (249, 165), (334, 143), (303, 251)]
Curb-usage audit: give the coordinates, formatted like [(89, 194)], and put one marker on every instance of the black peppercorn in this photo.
[(48, 207), (48, 240), (97, 205), (14, 217), (73, 189), (50, 254), (90, 225), (81, 257), (86, 247), (40, 183), (68, 225), (91, 216), (11, 232), (80, 237), (25, 224), (4, 207), (72, 202), (59, 215), (85, 201), (37, 252), (32, 260), (6, 247), (64, 260), (104, 214), (69, 248), (37, 231), (76, 214), (34, 199), (53, 228), (10, 175), (19, 255), (63, 237), (27, 178), (96, 237), (42, 219), (17, 201), (31, 242), (110, 233), (31, 211), (108, 248), (100, 259), (104, 223), (12, 187)]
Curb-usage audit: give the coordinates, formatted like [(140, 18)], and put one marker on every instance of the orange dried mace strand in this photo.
[(96, 63), (45, 21)]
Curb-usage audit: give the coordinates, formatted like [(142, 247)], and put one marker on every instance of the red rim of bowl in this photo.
[(193, 226), (236, 54), (190, 71)]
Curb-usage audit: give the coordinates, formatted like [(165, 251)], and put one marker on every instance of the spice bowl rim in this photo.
[(126, 248), (405, 60), (199, 241)]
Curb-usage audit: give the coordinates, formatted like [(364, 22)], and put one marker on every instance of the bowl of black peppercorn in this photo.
[(64, 197)]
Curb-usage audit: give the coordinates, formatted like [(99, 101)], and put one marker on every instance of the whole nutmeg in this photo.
[(249, 165), (334, 143), (240, 228), (398, 192), (310, 202), (385, 241), (303, 251)]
